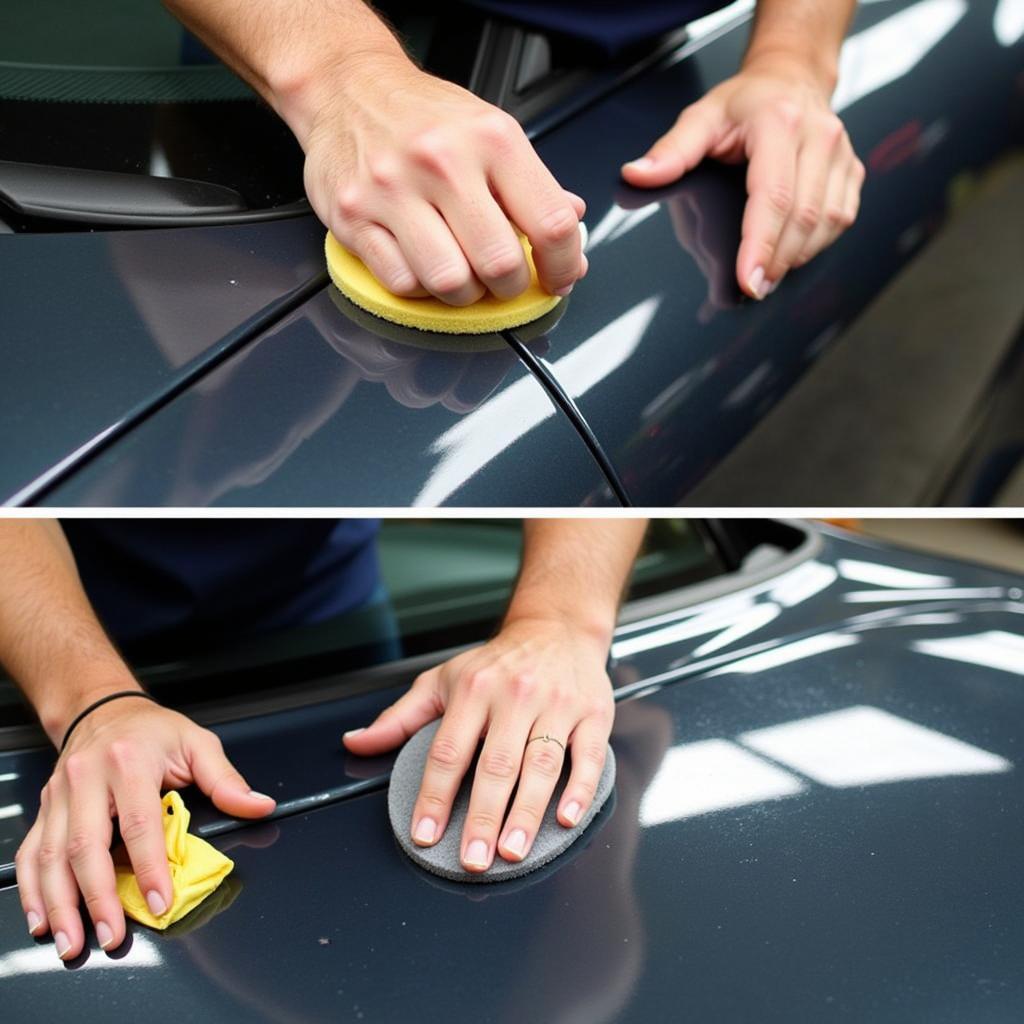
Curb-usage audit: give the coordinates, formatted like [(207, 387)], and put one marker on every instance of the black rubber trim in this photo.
[(259, 323), (564, 401)]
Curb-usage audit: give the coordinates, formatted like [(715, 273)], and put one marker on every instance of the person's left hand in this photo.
[(537, 677), (804, 179)]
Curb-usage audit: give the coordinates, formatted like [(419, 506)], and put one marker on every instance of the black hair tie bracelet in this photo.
[(99, 703)]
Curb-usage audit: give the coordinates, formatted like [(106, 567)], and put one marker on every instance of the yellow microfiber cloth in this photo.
[(485, 316), (196, 869)]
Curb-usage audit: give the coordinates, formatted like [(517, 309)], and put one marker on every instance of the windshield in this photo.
[(445, 583), (120, 85)]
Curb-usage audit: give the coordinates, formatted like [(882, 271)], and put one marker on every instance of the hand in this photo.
[(804, 179), (536, 677), (116, 763), (420, 179)]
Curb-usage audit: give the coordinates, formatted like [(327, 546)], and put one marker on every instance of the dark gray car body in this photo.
[(818, 815), (211, 365)]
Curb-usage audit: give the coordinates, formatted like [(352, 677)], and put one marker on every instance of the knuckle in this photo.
[(780, 198), (807, 217), (789, 113), (50, 855), (76, 768), (498, 764), (593, 755), (349, 203), (433, 801), (478, 682), (544, 761), (80, 845), (498, 127), (448, 280), (502, 264), (122, 754), (384, 172), (483, 821), (832, 128), (559, 225), (835, 216), (134, 825), (431, 152), (445, 754), (523, 686)]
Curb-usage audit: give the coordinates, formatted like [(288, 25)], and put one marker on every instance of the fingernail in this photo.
[(773, 286), (426, 829), (259, 796), (104, 936), (564, 291), (156, 904), (516, 842), (572, 812), (756, 282), (644, 163), (354, 732), (63, 944), (476, 853), (34, 921)]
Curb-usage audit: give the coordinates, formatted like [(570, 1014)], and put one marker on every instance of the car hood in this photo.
[(819, 820), (658, 363)]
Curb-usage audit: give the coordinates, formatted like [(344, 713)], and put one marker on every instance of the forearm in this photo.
[(811, 31), (290, 51), (51, 642), (576, 570)]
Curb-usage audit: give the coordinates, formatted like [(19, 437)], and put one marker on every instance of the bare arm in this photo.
[(804, 179), (117, 760), (422, 180), (50, 640), (543, 674)]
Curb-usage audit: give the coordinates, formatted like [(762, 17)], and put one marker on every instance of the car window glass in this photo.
[(446, 583)]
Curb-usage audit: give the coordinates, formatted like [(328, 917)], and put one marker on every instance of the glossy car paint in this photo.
[(689, 368), (817, 816), (321, 411), (100, 328), (667, 367)]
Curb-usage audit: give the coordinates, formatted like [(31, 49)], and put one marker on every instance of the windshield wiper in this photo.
[(82, 196)]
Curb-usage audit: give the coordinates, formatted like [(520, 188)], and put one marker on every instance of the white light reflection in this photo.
[(8, 776), (735, 617), (11, 811), (701, 27), (42, 959), (938, 594), (500, 421), (994, 649), (802, 583), (1008, 21), (616, 222), (884, 52), (862, 745), (710, 775), (721, 615), (786, 653), (887, 576)]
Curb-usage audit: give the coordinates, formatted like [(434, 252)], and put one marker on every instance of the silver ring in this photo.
[(547, 739)]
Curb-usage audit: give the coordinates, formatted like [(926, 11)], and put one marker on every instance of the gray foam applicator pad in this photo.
[(443, 857)]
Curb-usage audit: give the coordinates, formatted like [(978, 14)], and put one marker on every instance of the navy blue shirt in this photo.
[(152, 579), (610, 24)]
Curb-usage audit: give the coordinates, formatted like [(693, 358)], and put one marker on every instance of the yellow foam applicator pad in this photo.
[(196, 869), (485, 316)]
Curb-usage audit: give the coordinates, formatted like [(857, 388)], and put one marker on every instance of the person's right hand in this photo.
[(427, 184), (116, 763)]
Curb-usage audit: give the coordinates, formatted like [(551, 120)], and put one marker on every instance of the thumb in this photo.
[(677, 151), (218, 778), (395, 724)]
